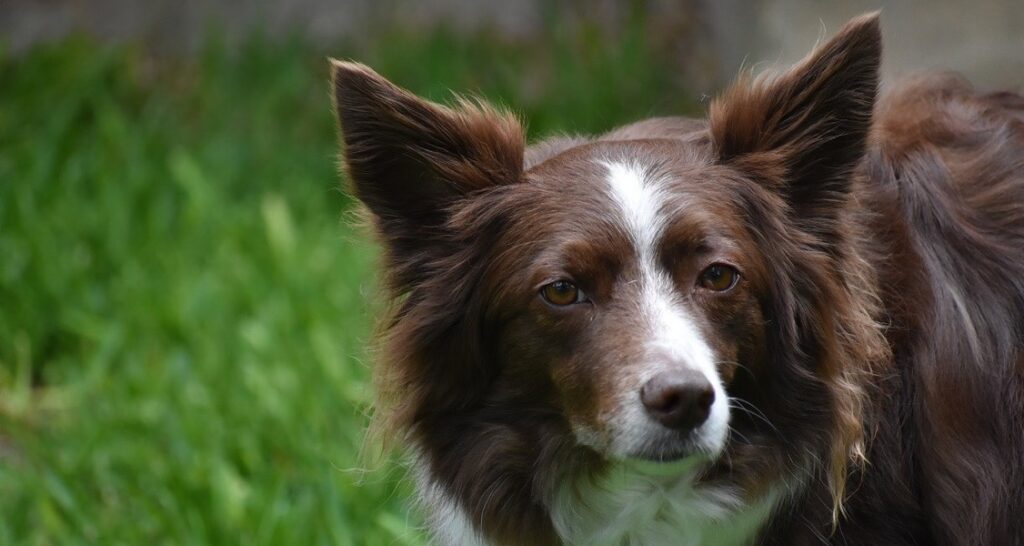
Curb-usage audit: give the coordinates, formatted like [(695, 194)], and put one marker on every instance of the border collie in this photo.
[(800, 320)]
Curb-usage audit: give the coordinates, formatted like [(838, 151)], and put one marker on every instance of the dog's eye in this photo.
[(719, 277), (562, 293)]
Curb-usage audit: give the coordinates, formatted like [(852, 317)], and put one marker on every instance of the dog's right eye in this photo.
[(562, 293)]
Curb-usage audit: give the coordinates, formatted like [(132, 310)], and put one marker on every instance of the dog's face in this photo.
[(622, 296), (628, 278)]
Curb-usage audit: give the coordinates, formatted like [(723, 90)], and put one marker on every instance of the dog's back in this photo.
[(947, 167)]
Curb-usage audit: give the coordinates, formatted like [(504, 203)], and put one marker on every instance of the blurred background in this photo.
[(184, 305)]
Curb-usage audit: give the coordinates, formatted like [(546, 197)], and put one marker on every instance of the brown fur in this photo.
[(875, 342)]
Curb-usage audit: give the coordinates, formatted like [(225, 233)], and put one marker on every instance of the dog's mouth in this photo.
[(672, 449), (669, 461)]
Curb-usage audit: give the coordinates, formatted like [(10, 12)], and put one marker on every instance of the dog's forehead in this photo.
[(584, 167), (631, 197), (636, 184)]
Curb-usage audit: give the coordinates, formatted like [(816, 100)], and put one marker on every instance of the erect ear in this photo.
[(806, 129), (409, 160)]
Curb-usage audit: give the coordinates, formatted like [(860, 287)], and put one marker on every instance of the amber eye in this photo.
[(562, 293), (719, 277)]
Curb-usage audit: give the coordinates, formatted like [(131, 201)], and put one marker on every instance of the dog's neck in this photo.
[(651, 503), (632, 503)]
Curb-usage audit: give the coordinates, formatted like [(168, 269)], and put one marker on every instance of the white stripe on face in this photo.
[(641, 200)]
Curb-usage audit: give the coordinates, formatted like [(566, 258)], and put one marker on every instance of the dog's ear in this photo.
[(409, 160), (805, 129)]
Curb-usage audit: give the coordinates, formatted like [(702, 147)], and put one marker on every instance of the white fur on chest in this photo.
[(649, 503), (631, 504)]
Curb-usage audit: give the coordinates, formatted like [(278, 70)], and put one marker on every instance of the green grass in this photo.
[(184, 312)]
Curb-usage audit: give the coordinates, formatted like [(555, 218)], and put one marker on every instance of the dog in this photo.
[(797, 321)]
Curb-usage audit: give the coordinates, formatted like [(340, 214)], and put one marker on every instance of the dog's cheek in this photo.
[(543, 356), (733, 331), (749, 332), (579, 394), (525, 353), (589, 382)]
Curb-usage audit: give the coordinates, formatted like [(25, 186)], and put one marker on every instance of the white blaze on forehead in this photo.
[(640, 202), (641, 199)]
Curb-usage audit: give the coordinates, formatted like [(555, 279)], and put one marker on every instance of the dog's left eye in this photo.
[(719, 277), (562, 293)]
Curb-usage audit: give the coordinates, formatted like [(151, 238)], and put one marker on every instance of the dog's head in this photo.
[(633, 298)]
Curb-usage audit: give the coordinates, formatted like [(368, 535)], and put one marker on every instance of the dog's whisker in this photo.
[(753, 411)]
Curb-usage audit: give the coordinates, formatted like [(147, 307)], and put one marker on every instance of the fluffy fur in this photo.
[(866, 370)]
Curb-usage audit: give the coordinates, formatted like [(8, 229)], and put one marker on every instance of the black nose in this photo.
[(680, 400)]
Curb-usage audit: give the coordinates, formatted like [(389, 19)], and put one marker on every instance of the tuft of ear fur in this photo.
[(805, 130), (409, 160)]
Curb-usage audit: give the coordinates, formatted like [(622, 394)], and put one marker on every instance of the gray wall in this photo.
[(982, 38)]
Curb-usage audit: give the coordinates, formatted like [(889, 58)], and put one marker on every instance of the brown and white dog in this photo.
[(800, 320)]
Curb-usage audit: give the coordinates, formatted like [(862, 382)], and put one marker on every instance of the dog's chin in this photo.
[(654, 446), (674, 461), (669, 456), (671, 453)]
